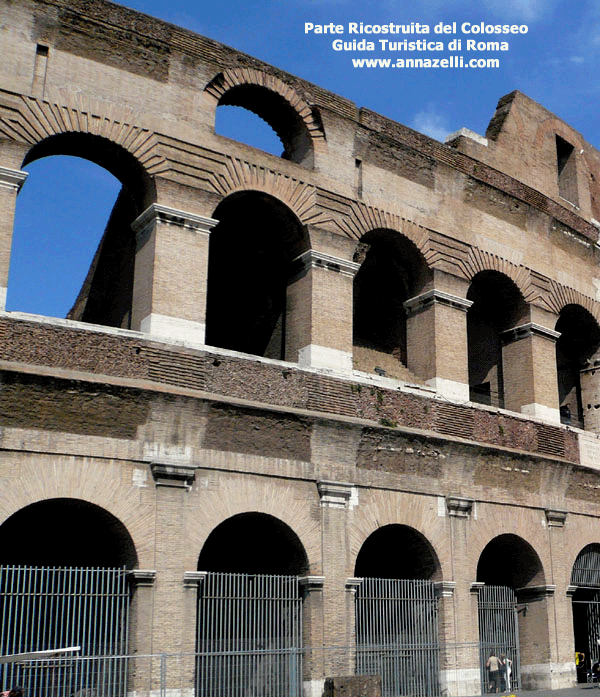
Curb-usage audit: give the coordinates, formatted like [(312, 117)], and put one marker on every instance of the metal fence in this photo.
[(47, 608), (249, 637), (586, 570), (174, 675), (498, 633), (397, 635)]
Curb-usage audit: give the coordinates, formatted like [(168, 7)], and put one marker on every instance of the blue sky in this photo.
[(557, 63)]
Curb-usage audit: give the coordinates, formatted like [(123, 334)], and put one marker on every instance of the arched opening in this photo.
[(576, 349), (396, 611), (585, 587), (82, 267), (63, 582), (392, 270), (246, 127), (498, 305), (512, 612), (249, 626), (256, 544), (280, 115), (248, 273)]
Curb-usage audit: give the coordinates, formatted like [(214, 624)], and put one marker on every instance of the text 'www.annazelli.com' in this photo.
[(450, 62)]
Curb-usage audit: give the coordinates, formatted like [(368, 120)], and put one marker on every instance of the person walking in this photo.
[(493, 665)]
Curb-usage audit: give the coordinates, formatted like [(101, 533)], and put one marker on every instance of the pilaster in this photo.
[(171, 270), (436, 337), (11, 181), (529, 369), (319, 311)]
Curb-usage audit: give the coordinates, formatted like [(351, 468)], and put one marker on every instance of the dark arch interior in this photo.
[(497, 306), (510, 561), (248, 268), (66, 532), (392, 271), (253, 543), (279, 114), (578, 342), (397, 552)]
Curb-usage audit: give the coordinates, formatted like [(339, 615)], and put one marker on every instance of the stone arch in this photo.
[(380, 509), (234, 497), (584, 589), (97, 131), (249, 601), (75, 533), (559, 296), (249, 272), (416, 557), (513, 607), (297, 124), (33, 122), (392, 271), (498, 305), (396, 609), (238, 175), (105, 153), (255, 543), (577, 359), (479, 260), (65, 582), (45, 478), (362, 218), (510, 560)]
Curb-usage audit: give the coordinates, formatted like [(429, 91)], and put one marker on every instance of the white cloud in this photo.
[(431, 123)]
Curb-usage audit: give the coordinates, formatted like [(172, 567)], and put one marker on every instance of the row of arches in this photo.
[(250, 269), (251, 562)]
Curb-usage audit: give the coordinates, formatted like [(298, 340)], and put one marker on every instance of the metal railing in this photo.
[(176, 675)]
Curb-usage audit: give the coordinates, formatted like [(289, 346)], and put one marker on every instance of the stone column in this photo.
[(535, 636), (11, 181), (171, 271), (589, 380), (338, 622), (140, 627), (529, 369), (173, 627), (560, 610), (436, 338), (459, 627), (313, 665), (319, 311)]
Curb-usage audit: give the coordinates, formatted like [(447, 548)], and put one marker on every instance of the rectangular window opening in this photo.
[(566, 164)]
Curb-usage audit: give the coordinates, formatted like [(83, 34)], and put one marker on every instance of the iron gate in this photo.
[(586, 604), (397, 635), (249, 636), (49, 608), (498, 632)]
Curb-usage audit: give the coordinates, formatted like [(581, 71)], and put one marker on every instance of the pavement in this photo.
[(581, 690)]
